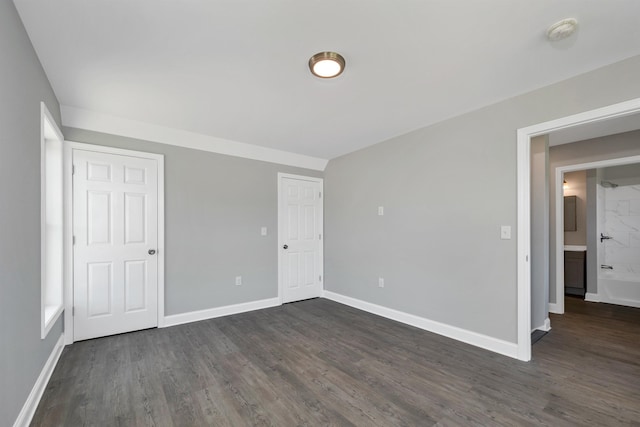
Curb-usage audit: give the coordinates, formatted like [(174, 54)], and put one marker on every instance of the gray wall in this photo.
[(446, 190), (214, 208), (577, 182), (539, 231), (609, 147), (23, 85), (625, 174)]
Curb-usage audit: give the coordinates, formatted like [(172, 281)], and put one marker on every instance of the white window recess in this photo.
[(51, 220)]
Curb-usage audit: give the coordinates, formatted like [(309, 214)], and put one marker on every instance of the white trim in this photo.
[(546, 326), (161, 247), (524, 136), (559, 237), (49, 314), (68, 241), (553, 308), (281, 242), (524, 246), (479, 340), (227, 310), (31, 404), (575, 248), (98, 122), (591, 297)]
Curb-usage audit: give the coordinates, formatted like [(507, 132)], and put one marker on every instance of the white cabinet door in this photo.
[(300, 228), (115, 227)]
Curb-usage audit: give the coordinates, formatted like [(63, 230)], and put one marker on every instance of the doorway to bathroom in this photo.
[(600, 119), (598, 246)]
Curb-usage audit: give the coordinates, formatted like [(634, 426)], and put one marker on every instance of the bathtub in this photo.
[(616, 288)]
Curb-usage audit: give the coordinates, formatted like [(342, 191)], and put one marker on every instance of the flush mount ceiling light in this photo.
[(326, 65), (562, 29)]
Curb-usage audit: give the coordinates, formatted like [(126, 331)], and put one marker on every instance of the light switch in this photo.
[(263, 231), (380, 210), (505, 232)]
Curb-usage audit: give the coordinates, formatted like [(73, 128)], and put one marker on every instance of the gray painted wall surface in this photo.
[(214, 208), (539, 231), (625, 174), (605, 148), (23, 85), (577, 187), (446, 190)]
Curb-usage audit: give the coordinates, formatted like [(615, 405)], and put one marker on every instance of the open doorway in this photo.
[(598, 117), (606, 232), (582, 174)]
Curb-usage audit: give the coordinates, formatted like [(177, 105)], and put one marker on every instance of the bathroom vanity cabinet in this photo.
[(575, 272)]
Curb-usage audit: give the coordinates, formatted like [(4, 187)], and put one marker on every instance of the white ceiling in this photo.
[(237, 69)]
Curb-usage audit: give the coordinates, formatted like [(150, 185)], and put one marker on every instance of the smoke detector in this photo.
[(562, 29)]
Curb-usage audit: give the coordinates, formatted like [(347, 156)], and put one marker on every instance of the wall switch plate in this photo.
[(381, 210), (263, 231), (238, 280), (505, 232), (381, 282)]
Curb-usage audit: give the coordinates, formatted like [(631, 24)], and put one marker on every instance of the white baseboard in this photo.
[(554, 308), (546, 326), (590, 297), (30, 406), (211, 313), (479, 340)]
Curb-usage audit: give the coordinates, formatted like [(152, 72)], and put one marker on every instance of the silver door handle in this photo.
[(152, 251)]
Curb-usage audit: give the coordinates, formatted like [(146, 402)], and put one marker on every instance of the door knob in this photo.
[(152, 251), (285, 247)]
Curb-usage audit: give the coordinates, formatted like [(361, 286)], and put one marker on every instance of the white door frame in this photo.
[(281, 242), (524, 136), (69, 146), (558, 307)]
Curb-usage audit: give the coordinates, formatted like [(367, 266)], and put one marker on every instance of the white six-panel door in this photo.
[(300, 239), (115, 227)]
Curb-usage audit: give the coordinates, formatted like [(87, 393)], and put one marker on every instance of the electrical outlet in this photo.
[(381, 282), (238, 280), (381, 210), (263, 231)]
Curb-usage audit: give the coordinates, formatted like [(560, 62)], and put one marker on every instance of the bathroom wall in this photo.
[(577, 186)]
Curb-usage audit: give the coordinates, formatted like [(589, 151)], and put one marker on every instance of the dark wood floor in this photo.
[(317, 362)]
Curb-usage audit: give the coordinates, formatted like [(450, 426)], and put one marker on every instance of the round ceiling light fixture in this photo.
[(562, 29), (326, 65)]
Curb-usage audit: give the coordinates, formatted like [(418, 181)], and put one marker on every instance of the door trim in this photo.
[(69, 146), (523, 150), (320, 181), (558, 307)]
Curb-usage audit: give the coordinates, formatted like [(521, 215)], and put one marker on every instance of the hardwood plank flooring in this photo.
[(318, 362)]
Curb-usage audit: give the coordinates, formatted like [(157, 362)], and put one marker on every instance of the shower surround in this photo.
[(619, 218)]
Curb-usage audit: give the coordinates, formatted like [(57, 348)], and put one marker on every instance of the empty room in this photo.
[(287, 213)]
